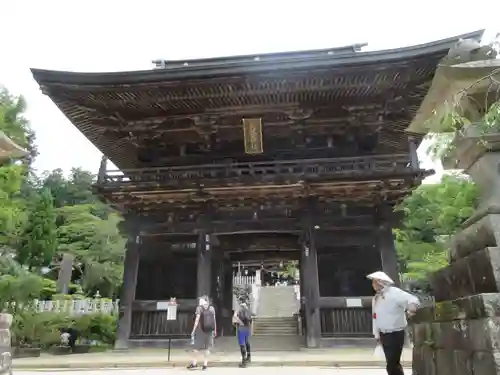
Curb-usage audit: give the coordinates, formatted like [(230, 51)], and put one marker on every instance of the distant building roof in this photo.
[(9, 149)]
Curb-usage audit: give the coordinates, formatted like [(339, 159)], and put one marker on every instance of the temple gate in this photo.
[(298, 156)]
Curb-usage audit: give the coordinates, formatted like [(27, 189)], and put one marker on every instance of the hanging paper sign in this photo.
[(252, 132), (354, 302), (169, 306), (172, 311)]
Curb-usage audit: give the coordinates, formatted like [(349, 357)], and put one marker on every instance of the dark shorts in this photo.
[(203, 340)]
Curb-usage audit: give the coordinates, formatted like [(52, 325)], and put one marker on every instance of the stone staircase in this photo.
[(277, 302), (275, 327)]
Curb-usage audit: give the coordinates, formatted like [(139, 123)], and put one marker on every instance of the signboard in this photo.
[(169, 306), (252, 133), (354, 302)]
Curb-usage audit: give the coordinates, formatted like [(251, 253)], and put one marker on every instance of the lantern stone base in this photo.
[(5, 350), (460, 337)]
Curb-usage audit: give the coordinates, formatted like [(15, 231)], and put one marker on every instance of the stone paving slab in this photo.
[(179, 358), (228, 371)]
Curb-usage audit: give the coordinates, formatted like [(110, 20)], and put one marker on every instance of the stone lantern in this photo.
[(461, 333), (5, 350)]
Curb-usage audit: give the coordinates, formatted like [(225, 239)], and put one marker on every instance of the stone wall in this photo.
[(460, 337), (5, 351)]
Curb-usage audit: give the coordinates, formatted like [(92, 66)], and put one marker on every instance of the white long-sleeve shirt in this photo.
[(389, 310)]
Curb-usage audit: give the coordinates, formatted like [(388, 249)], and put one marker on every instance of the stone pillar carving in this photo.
[(461, 334), (5, 350)]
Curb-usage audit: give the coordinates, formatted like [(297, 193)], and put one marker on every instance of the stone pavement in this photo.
[(230, 371), (149, 358)]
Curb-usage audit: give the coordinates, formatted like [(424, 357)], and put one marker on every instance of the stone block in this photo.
[(472, 307), (424, 361), (481, 234), (477, 273), (483, 334), (486, 363)]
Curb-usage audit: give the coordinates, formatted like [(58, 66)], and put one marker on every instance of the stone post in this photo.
[(5, 350), (461, 333)]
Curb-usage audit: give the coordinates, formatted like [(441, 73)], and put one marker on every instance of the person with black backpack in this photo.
[(243, 320), (204, 331)]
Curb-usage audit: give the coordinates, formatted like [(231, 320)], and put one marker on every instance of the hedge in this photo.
[(35, 329)]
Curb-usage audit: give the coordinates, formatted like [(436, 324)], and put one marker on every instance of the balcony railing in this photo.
[(266, 172)]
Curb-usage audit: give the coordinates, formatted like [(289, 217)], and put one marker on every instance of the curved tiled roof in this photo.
[(116, 111)]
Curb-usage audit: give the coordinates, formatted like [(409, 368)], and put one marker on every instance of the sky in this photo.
[(111, 35)]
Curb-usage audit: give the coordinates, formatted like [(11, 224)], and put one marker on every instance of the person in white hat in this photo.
[(390, 305)]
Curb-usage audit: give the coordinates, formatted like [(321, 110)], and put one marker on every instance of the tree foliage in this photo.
[(38, 243), (44, 216), (432, 214)]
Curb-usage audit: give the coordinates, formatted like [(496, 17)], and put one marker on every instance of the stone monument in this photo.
[(5, 350), (460, 335)]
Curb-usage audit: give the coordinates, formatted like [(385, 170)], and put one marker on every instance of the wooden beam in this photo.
[(277, 224)]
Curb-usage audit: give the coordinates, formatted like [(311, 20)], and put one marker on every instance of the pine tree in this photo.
[(39, 240)]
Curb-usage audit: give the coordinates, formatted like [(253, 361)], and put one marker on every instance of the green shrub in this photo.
[(17, 293), (31, 328), (97, 327), (49, 290), (36, 329)]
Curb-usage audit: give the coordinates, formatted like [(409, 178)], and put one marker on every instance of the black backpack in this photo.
[(244, 316), (207, 319)]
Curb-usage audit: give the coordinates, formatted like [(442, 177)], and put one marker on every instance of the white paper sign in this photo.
[(172, 312), (162, 305), (354, 302), (169, 307)]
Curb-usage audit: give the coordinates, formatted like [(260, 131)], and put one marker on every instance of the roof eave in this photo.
[(199, 72)]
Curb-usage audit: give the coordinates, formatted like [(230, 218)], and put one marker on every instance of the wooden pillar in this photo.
[(388, 253), (101, 175), (131, 266), (227, 311), (310, 280), (414, 163), (204, 274)]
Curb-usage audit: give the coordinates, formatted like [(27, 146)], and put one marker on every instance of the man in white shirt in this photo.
[(390, 305)]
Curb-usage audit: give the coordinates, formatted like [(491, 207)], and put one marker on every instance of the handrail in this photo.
[(282, 168), (400, 157)]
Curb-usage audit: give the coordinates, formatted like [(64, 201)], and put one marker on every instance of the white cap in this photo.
[(380, 276)]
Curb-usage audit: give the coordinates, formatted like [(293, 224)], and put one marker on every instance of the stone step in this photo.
[(260, 343)]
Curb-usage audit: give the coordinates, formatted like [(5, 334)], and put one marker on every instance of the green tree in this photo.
[(97, 245), (432, 213), (39, 240), (11, 205)]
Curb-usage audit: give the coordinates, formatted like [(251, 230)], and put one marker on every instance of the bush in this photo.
[(97, 327), (34, 329), (18, 292), (43, 329), (49, 290)]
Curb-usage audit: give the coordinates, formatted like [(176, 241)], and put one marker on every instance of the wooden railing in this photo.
[(346, 322), (308, 168), (148, 322)]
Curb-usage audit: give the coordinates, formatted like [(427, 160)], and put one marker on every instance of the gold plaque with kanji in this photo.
[(252, 131)]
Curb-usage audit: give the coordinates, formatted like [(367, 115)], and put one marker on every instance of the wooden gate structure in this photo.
[(297, 155)]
